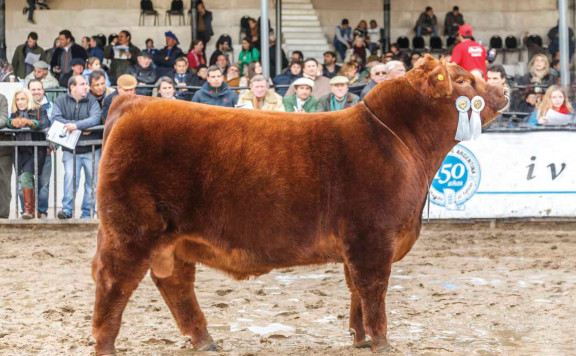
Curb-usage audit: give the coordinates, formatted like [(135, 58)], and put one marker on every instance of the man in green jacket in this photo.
[(29, 49), (302, 100), (5, 162)]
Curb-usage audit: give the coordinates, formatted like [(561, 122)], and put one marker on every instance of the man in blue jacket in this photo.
[(215, 91), (79, 111)]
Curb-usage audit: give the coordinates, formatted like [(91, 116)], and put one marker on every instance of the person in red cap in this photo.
[(468, 53)]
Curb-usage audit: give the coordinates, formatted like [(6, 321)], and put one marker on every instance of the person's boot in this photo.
[(28, 195)]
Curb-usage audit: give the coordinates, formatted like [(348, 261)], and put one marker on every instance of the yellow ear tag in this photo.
[(440, 77)]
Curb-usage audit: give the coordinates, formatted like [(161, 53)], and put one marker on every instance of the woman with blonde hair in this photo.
[(27, 114), (350, 71), (556, 100), (538, 72)]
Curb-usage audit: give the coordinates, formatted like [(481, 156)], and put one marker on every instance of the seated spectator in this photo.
[(414, 57), (183, 77), (452, 22), (556, 100), (395, 69), (165, 58), (294, 72), (96, 48), (126, 86), (339, 97), (202, 72), (78, 111), (330, 69), (260, 96), (144, 72), (21, 67), (150, 47), (342, 38), (222, 62), (554, 38), (361, 30), (254, 68), (528, 103), (555, 70), (387, 57), (98, 88), (297, 56), (122, 54), (166, 88), (196, 54), (248, 55), (302, 100), (374, 34), (223, 46), (65, 53), (377, 75), (42, 74), (233, 75), (7, 72), (94, 64), (77, 68), (350, 71), (395, 50), (427, 23), (215, 91), (538, 72), (6, 162), (311, 71), (27, 114), (356, 59), (364, 76)]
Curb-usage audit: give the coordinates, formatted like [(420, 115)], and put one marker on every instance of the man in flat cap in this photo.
[(166, 57), (339, 97), (302, 100), (41, 73), (144, 72), (126, 85)]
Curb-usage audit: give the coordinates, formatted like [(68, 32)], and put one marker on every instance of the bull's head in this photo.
[(441, 80)]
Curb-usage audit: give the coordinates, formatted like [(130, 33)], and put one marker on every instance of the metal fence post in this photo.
[(36, 186), (73, 183), (17, 178), (55, 168), (92, 183)]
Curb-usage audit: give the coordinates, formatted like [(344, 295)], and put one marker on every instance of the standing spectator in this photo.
[(78, 111), (452, 22), (41, 73), (311, 71), (77, 68), (294, 72), (374, 34), (302, 100), (204, 21), (339, 97), (297, 56), (342, 38), (6, 72), (330, 68), (93, 64), (50, 51), (247, 55), (26, 55), (233, 75), (360, 49), (166, 57), (196, 54), (86, 43), (554, 46), (6, 161), (63, 55), (223, 46), (361, 30), (272, 52), (252, 33), (41, 99), (144, 73), (427, 23), (260, 95), (377, 75), (30, 10), (126, 86), (98, 88), (27, 114), (183, 77), (538, 72), (122, 54), (96, 48), (215, 91), (556, 100), (165, 87), (350, 71), (468, 54), (150, 47)]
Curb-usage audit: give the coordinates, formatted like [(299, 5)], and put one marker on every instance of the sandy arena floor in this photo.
[(463, 290)]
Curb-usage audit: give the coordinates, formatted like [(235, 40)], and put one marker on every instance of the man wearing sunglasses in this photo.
[(377, 75)]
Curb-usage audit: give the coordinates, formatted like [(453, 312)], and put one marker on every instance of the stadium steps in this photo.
[(302, 30)]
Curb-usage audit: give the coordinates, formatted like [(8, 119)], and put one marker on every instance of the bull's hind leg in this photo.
[(117, 270), (178, 293), (356, 321)]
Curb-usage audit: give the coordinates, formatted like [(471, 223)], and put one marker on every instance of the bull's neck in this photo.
[(415, 120)]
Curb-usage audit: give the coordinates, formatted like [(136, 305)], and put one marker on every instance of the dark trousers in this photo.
[(31, 8), (6, 162)]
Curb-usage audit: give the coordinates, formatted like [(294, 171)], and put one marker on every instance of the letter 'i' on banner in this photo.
[(463, 130), (475, 120)]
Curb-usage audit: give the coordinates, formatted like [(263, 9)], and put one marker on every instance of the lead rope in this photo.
[(409, 150)]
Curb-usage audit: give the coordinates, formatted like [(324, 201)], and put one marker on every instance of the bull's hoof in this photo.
[(209, 347), (381, 347), (362, 344)]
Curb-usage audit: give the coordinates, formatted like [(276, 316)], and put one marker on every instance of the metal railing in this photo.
[(36, 144)]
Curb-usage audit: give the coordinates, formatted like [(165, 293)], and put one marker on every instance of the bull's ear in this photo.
[(430, 77)]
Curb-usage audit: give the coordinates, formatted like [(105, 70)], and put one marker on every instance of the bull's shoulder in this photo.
[(121, 105)]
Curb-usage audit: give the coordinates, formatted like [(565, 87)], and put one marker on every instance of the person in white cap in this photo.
[(41, 73), (339, 97), (302, 100)]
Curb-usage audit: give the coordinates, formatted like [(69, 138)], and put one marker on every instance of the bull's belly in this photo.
[(241, 263)]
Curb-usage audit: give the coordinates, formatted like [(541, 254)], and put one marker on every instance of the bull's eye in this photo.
[(461, 81)]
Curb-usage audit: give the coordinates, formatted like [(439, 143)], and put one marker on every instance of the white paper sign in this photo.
[(59, 135)]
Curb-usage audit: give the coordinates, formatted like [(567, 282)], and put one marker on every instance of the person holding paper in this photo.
[(26, 55), (555, 109), (78, 111), (26, 113)]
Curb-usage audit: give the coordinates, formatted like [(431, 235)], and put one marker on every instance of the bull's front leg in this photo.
[(356, 319)]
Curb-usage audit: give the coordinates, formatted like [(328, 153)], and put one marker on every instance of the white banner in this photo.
[(521, 174)]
